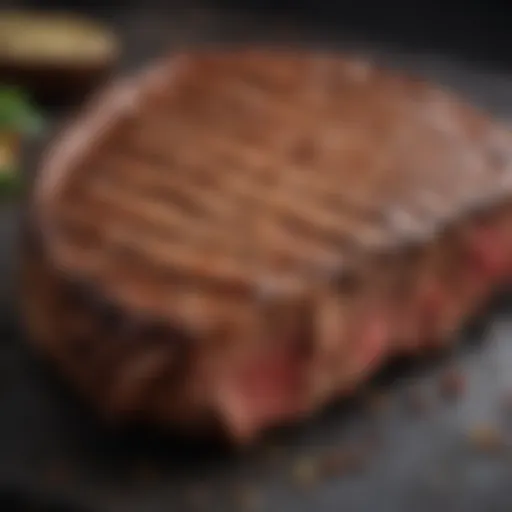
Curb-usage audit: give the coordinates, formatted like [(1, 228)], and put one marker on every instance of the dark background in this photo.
[(473, 29), (52, 446)]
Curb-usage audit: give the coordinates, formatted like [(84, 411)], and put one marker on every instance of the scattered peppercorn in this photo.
[(344, 460)]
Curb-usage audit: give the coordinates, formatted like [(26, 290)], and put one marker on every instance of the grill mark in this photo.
[(260, 169), (250, 159), (263, 92), (298, 227), (150, 173), (289, 206), (148, 176), (219, 273), (384, 183), (175, 196), (300, 214), (155, 216), (270, 100), (206, 136), (218, 270), (319, 226), (142, 225)]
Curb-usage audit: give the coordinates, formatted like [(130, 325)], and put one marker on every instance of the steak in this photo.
[(235, 238)]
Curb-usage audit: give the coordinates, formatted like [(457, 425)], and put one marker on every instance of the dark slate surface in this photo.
[(52, 446)]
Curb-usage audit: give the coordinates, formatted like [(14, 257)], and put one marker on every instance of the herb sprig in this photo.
[(19, 118)]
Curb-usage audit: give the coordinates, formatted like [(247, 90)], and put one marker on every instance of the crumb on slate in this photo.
[(343, 460), (485, 438), (306, 472), (248, 498)]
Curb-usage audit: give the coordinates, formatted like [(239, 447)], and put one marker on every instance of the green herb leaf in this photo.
[(17, 113)]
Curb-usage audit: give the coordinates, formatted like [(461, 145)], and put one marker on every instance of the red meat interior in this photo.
[(276, 385)]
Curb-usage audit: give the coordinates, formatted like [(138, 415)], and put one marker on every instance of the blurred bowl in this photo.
[(55, 56)]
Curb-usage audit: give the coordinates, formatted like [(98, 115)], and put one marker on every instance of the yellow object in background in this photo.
[(58, 57)]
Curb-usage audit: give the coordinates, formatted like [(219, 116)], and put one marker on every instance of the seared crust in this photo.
[(244, 198)]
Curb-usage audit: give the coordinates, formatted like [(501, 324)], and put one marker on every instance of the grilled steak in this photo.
[(235, 238)]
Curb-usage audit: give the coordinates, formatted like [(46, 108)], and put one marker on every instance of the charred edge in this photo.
[(186, 203), (115, 325), (155, 330), (108, 314), (116, 320), (79, 293), (113, 321)]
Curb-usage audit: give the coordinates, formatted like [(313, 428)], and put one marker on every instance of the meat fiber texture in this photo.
[(235, 238)]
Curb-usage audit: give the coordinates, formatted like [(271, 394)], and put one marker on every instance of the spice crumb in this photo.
[(248, 498), (344, 460), (485, 438), (305, 472), (334, 464)]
